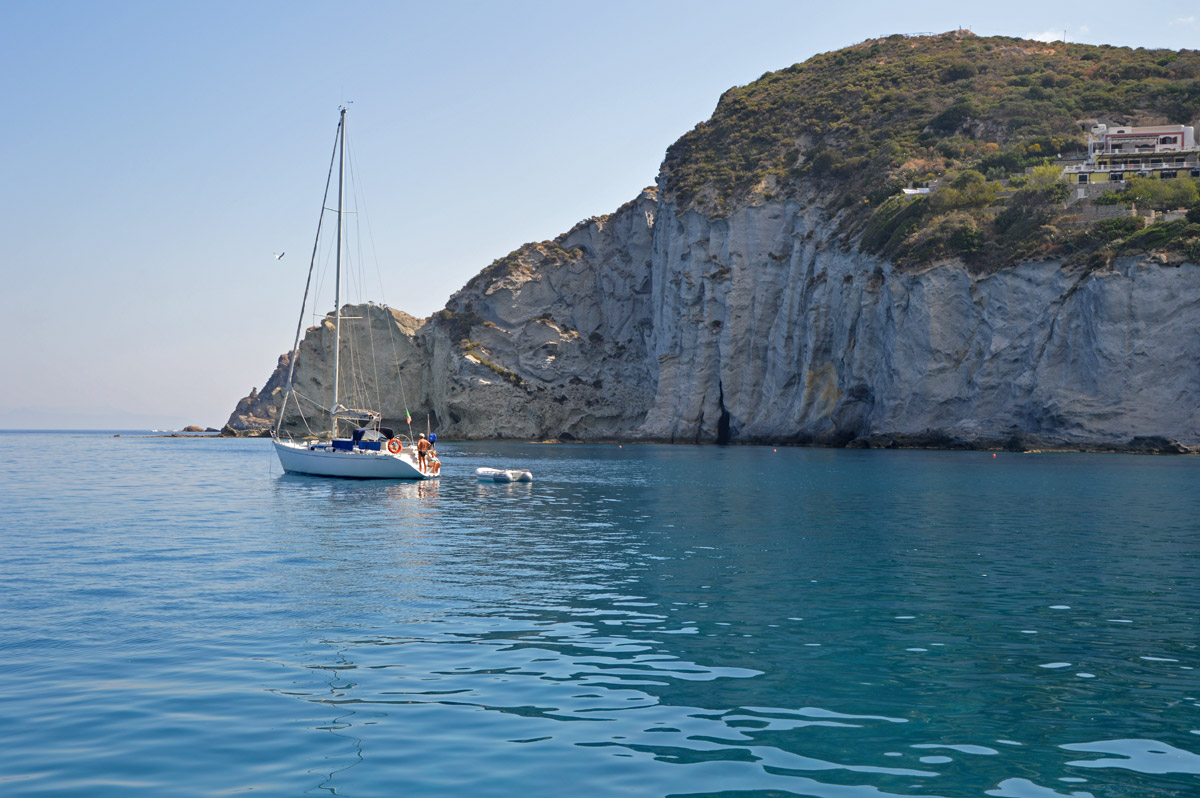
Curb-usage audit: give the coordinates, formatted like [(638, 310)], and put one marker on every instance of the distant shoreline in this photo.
[(1142, 446), (131, 433), (169, 435), (1150, 445)]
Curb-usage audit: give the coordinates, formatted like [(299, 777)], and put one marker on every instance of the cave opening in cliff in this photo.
[(723, 433)]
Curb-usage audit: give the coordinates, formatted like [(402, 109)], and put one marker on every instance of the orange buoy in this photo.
[(394, 446)]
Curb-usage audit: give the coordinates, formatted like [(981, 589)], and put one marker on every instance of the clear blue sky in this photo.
[(155, 154)]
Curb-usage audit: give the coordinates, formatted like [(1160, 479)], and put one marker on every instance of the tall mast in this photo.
[(337, 291), (312, 264)]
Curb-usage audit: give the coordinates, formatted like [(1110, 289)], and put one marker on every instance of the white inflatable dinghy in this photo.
[(503, 475)]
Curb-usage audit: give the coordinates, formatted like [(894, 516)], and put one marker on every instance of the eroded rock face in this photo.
[(766, 323), (660, 324), (562, 341)]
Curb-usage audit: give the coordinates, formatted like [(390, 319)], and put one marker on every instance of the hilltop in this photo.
[(974, 113)]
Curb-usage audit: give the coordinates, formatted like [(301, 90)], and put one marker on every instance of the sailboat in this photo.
[(371, 451)]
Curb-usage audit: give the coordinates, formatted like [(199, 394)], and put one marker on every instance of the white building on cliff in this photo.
[(1163, 151)]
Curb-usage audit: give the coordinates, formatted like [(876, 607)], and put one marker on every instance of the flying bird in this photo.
[(278, 256)]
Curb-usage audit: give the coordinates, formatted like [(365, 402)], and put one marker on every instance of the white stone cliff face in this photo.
[(761, 327), (572, 339), (762, 317)]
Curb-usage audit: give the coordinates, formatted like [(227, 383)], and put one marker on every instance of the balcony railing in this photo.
[(1130, 166)]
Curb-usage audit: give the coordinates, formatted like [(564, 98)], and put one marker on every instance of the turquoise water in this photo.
[(178, 618)]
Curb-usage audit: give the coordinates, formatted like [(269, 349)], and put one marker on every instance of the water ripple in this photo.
[(638, 621), (1143, 756)]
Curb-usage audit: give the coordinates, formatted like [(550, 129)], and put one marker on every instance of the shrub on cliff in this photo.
[(1148, 193), (1155, 235), (1107, 230), (457, 325)]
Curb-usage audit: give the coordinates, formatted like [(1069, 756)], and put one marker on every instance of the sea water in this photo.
[(180, 618)]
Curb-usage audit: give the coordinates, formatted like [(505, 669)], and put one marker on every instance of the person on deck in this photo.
[(435, 465), (423, 446)]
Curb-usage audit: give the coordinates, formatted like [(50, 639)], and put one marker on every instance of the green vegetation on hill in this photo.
[(972, 113), (1181, 192)]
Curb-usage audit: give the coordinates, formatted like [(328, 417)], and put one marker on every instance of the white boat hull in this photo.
[(503, 475), (305, 458)]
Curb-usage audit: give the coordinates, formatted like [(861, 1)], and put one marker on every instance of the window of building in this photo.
[(1083, 178)]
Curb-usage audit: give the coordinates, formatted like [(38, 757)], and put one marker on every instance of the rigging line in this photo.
[(372, 398), (356, 266), (375, 364), (358, 334), (358, 373), (392, 324), (311, 401), (360, 272), (370, 238), (352, 385), (300, 409), (283, 412), (354, 395), (301, 395), (352, 334), (308, 281), (304, 418), (391, 318)]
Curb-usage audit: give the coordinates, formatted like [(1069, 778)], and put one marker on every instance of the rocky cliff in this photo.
[(657, 324), (760, 318), (768, 330)]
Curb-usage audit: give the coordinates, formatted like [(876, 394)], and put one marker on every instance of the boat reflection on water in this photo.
[(407, 491), (493, 489)]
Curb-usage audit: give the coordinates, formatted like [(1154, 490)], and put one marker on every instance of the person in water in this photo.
[(423, 447)]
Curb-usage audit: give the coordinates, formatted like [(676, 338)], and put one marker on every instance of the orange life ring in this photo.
[(394, 446)]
